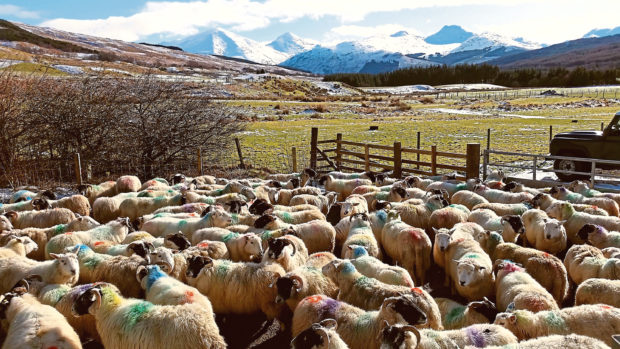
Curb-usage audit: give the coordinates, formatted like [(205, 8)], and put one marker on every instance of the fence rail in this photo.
[(356, 156)]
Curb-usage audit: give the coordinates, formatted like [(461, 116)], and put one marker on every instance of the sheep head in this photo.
[(315, 336), (396, 336), (195, 265), (404, 308)]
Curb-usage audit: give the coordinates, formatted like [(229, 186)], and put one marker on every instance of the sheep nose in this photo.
[(462, 283), (442, 249), (279, 300), (72, 271), (548, 236)]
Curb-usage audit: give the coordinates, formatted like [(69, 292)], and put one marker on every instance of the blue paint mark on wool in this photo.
[(348, 268), (154, 274), (359, 251), (82, 249), (382, 215), (475, 337)]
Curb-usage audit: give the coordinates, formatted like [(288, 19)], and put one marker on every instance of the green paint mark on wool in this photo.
[(461, 186), (364, 322), (59, 229), (159, 199), (54, 296), (135, 313), (230, 236), (553, 319), (286, 217), (573, 197), (364, 281), (382, 195), (472, 255), (222, 268), (455, 315), (181, 223), (92, 262)]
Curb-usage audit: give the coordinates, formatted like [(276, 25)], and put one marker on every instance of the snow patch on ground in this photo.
[(482, 113), (8, 63), (470, 87), (400, 90), (69, 69)]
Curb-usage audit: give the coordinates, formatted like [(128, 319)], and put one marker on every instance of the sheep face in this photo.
[(554, 229), (306, 176), (469, 273), (359, 220), (560, 210), (82, 223), (252, 245), (579, 186), (513, 223), (163, 257), (29, 245), (333, 268), (392, 216), (259, 207), (404, 309), (507, 320), (279, 248), (221, 218), (178, 178), (484, 307), (5, 224), (357, 251), (68, 264), (140, 248), (398, 336), (265, 221), (316, 336), (90, 300), (442, 239), (347, 207), (589, 232), (148, 274), (177, 241), (248, 193), (287, 286)]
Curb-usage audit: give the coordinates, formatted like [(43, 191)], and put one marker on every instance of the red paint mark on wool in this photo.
[(319, 255), (97, 243), (203, 245), (509, 267), (189, 296), (417, 290), (68, 233), (416, 234), (313, 299), (605, 306), (192, 215), (546, 254)]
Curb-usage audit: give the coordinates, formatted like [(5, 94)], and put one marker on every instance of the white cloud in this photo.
[(16, 11)]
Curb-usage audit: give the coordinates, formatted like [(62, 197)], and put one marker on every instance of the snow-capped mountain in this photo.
[(597, 33), (225, 43), (491, 41), (449, 34), (292, 44)]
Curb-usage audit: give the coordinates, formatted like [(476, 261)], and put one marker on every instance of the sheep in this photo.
[(238, 288), (118, 270), (159, 184), (497, 175), (242, 247), (395, 194), (343, 187), (76, 203), (175, 264), (543, 201), (261, 206), (510, 226), (162, 289), (586, 262), (408, 246), (317, 235), (583, 188), (24, 195), (319, 259), (303, 177), (574, 221), (360, 233), (515, 187), (92, 192), (127, 322), (419, 215), (298, 217), (448, 217), (302, 282), (544, 233), (35, 325), (468, 199), (278, 252), (40, 219), (455, 316), (611, 252), (148, 217), (61, 269), (595, 291), (356, 327), (196, 207), (375, 268), (607, 204), (377, 221), (42, 235), (134, 207), (284, 196), (596, 321), (504, 209), (106, 208), (368, 293), (599, 237), (479, 336), (321, 335), (503, 197), (322, 202), (343, 175), (353, 204), (515, 287), (17, 207), (115, 231), (470, 270), (140, 248), (444, 236), (417, 182), (18, 246), (452, 187), (570, 341), (216, 217)]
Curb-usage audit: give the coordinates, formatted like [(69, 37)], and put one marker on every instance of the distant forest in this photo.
[(484, 73)]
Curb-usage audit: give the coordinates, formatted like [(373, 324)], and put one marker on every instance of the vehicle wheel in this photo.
[(571, 165)]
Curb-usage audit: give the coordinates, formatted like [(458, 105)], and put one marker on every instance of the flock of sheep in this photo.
[(149, 265)]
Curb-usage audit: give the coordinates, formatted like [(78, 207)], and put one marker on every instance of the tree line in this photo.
[(483, 73), (143, 121)]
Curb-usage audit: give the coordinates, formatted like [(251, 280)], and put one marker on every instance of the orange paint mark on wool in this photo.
[(189, 297), (417, 290), (203, 245), (97, 243), (605, 306), (546, 254), (192, 215), (416, 234), (314, 299)]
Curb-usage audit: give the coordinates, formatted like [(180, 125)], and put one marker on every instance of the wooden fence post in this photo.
[(338, 150), (241, 164), (313, 146), (488, 138), (398, 164), (294, 158), (199, 161), (78, 169), (602, 126), (418, 145), (366, 158), (473, 160), (434, 159), (550, 133)]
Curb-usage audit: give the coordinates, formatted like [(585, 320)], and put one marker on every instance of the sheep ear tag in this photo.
[(616, 338), (511, 307)]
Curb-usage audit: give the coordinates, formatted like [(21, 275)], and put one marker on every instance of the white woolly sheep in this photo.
[(510, 226), (546, 269), (448, 217), (317, 235), (503, 197), (479, 336), (319, 259), (61, 269), (289, 251), (360, 233), (242, 247), (544, 233), (106, 208), (155, 326), (470, 270), (377, 221), (607, 204), (34, 325), (468, 199), (25, 194), (504, 209), (595, 291), (596, 321), (298, 217), (455, 315), (239, 288), (284, 196), (175, 264), (586, 262), (599, 237), (321, 335), (353, 204), (516, 288), (543, 201), (357, 328), (216, 217), (134, 207), (583, 188), (115, 231), (18, 246), (126, 184), (407, 245), (564, 211), (322, 202), (343, 187), (452, 187), (443, 238), (419, 215), (76, 203), (196, 207), (515, 187), (303, 282), (569, 341), (369, 293), (375, 268), (92, 192), (40, 219)]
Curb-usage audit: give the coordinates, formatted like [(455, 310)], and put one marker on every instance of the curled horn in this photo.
[(150, 246), (415, 332), (300, 282), (292, 244), (23, 283), (389, 301), (275, 278), (329, 323), (166, 266), (324, 335)]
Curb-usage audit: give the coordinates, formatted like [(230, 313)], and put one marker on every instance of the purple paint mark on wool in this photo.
[(328, 308), (475, 336)]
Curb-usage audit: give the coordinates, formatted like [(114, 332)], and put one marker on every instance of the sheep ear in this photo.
[(55, 256), (141, 273)]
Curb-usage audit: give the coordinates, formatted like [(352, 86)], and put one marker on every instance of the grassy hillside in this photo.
[(11, 32)]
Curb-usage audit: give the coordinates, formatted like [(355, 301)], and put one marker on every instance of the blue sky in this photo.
[(328, 21)]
